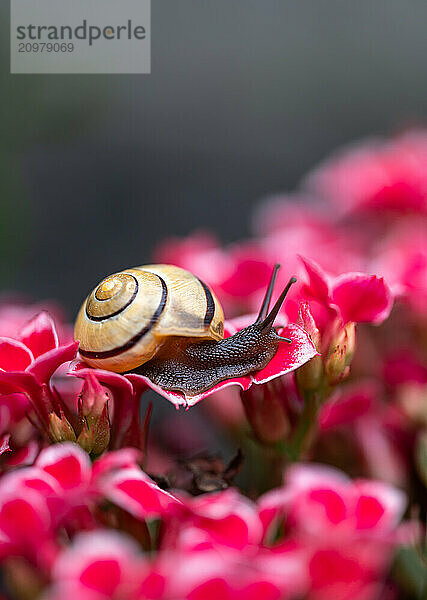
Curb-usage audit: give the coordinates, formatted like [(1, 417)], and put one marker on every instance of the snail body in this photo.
[(163, 322)]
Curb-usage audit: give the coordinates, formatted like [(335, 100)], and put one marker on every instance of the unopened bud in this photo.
[(335, 367), (350, 342), (85, 439), (341, 352), (60, 429), (95, 434), (309, 377), (265, 410), (93, 397)]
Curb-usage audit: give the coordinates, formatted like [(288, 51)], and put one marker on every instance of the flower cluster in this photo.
[(98, 501), (338, 540)]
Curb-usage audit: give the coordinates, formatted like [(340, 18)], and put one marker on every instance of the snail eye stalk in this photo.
[(269, 292), (269, 320)]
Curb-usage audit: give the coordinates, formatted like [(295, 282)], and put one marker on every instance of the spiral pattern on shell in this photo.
[(131, 314)]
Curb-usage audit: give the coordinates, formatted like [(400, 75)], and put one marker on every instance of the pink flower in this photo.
[(135, 492), (291, 225), (115, 476), (98, 566), (27, 364), (106, 564), (199, 253), (348, 528), (36, 350), (224, 518), (209, 574), (25, 521), (355, 297), (65, 486), (402, 259), (376, 175), (329, 308), (13, 408)]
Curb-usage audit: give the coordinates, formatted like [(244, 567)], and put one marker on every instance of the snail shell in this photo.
[(130, 315)]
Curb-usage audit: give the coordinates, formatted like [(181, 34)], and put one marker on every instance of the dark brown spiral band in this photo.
[(117, 312), (135, 339), (210, 305)]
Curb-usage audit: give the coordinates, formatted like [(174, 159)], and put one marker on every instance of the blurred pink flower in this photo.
[(98, 566), (138, 494), (349, 529), (64, 488), (25, 524), (106, 564), (376, 175), (212, 520), (402, 259), (211, 574)]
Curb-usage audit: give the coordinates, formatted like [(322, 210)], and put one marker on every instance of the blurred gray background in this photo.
[(244, 97)]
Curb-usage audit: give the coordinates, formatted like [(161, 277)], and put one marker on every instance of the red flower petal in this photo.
[(102, 575), (368, 512), (249, 276), (104, 563), (347, 407), (362, 298), (46, 364), (134, 491), (39, 335), (288, 356), (24, 516), (20, 381), (244, 383), (67, 463), (229, 518), (125, 458), (176, 398), (24, 456), (319, 281), (332, 503), (14, 356)]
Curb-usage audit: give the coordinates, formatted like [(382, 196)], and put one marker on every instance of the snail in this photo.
[(164, 323)]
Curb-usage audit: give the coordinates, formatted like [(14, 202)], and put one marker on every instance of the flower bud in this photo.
[(60, 429), (341, 352), (93, 397), (309, 377), (265, 410), (335, 365), (350, 342), (95, 434)]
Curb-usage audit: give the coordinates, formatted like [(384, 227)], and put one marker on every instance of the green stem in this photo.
[(305, 430)]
